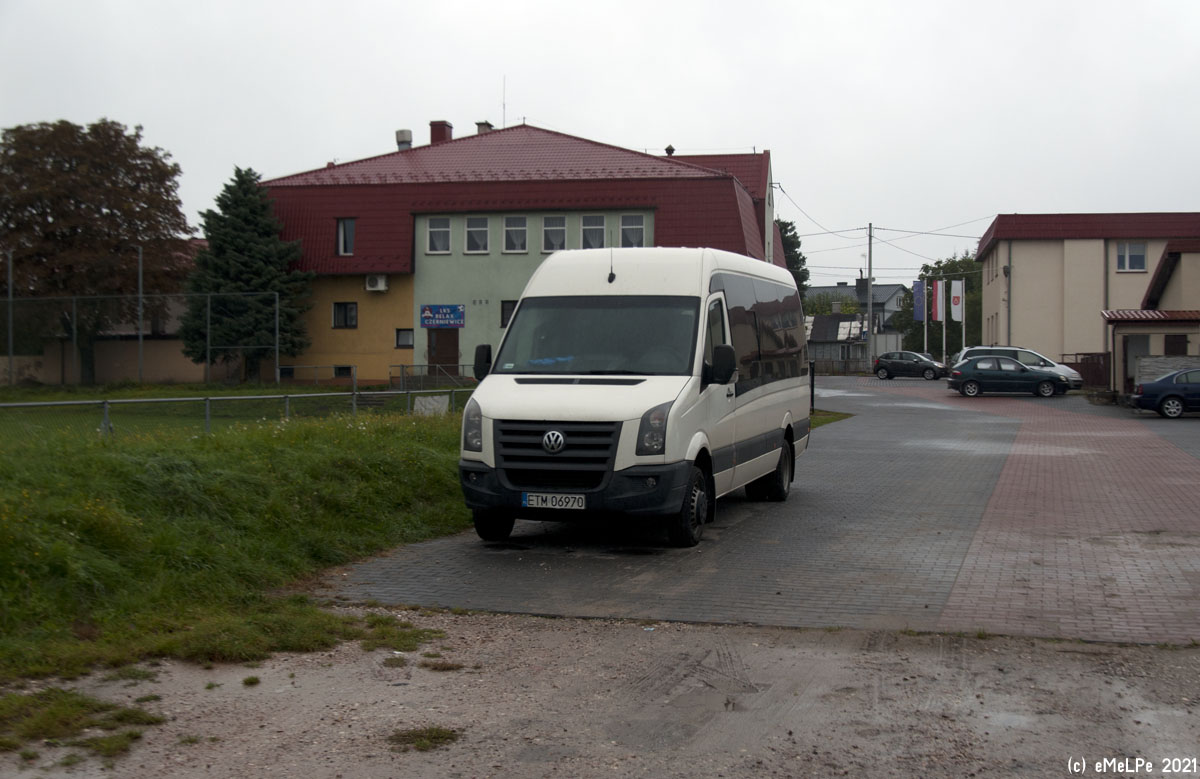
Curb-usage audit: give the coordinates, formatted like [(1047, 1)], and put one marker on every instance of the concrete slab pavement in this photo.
[(925, 511)]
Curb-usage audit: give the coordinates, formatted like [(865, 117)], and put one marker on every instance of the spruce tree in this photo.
[(245, 254)]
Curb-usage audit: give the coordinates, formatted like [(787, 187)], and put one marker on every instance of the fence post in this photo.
[(208, 339), (12, 371), (812, 385), (207, 415), (277, 339), (105, 422), (287, 406)]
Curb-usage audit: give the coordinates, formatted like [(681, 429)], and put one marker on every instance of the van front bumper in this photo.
[(644, 490)]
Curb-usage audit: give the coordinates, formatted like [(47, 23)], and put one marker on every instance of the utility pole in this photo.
[(870, 297)]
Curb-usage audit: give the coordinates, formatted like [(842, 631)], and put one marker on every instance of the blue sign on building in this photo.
[(443, 316)]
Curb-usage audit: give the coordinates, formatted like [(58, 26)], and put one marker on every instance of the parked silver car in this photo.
[(1026, 357)]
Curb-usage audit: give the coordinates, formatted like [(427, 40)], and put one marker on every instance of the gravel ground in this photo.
[(564, 697)]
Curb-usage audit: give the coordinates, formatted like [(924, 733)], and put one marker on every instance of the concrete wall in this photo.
[(1056, 290), (1183, 290)]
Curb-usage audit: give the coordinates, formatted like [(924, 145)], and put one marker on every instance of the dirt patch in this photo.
[(534, 697)]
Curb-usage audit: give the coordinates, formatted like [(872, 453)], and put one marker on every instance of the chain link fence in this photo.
[(198, 415), (107, 339)]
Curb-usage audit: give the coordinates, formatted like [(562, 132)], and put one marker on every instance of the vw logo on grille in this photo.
[(553, 442)]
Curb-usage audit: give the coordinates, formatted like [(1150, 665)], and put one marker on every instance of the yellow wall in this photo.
[(371, 346)]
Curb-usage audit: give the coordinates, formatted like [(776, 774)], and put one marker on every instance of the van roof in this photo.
[(654, 270)]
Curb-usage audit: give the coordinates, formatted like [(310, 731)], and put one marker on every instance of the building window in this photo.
[(1131, 256), (287, 372), (439, 235), (1175, 344), (343, 371), (345, 315), (592, 233), (514, 234), (554, 233), (345, 237), (404, 339), (633, 230), (507, 307), (477, 235)]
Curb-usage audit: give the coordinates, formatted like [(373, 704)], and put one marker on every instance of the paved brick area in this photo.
[(925, 511)]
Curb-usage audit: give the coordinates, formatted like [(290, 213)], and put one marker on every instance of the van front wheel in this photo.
[(686, 527)]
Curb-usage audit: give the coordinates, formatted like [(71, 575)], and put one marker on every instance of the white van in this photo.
[(647, 382)]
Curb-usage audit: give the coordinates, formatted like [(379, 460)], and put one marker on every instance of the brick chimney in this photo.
[(483, 127), (440, 131)]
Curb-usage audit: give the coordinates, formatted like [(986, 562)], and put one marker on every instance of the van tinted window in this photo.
[(766, 324)]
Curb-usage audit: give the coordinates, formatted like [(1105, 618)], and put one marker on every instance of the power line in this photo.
[(814, 221)]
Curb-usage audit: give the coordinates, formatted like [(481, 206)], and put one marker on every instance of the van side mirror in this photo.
[(483, 361), (724, 364)]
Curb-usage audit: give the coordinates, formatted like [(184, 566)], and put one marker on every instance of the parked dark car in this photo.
[(1004, 374), (1169, 395), (893, 364)]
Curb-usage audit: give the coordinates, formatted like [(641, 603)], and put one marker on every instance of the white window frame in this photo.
[(468, 229), (430, 229), (411, 338), (584, 228), (1123, 254), (512, 229), (561, 229), (345, 244), (628, 223)]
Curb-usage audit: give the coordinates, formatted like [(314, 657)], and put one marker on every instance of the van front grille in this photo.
[(587, 453)]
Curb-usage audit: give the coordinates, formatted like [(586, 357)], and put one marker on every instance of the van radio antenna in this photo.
[(612, 276)]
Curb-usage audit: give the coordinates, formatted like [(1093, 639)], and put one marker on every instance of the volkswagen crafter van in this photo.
[(646, 382)]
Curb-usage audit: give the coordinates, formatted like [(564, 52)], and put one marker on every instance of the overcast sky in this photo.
[(914, 116)]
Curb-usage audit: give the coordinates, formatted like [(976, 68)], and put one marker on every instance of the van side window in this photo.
[(716, 329), (766, 324)]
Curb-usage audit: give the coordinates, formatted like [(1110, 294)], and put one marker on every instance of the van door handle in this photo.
[(729, 391)]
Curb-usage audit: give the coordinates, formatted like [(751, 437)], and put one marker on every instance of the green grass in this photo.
[(171, 544), (56, 715), (423, 739), (818, 417)]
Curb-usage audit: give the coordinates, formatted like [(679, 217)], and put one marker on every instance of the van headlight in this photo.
[(652, 433), (472, 427)]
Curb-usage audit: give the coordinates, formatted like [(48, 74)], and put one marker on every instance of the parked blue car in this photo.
[(1003, 374), (1169, 395)]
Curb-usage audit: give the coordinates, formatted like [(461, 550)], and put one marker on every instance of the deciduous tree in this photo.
[(76, 203)]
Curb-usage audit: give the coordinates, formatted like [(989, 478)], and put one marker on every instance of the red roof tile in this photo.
[(751, 169), (1019, 227), (520, 153)]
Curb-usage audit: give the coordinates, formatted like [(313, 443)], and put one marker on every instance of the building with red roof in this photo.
[(1125, 285), (421, 253)]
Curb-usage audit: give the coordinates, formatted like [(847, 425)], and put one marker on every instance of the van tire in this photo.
[(493, 525), (776, 484), (685, 527)]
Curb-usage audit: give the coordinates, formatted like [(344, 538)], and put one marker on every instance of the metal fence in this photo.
[(198, 415), (104, 339), (421, 377)]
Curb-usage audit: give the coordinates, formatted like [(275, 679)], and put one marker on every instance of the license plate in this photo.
[(546, 500)]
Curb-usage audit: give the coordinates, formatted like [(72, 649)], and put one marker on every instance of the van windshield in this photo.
[(652, 335)]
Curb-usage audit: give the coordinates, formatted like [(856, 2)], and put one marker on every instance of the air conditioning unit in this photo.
[(377, 282)]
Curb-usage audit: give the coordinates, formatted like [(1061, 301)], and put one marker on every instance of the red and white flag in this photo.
[(939, 301), (956, 300)]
